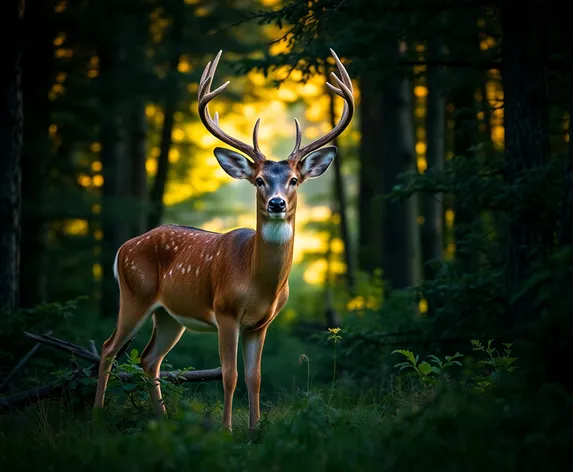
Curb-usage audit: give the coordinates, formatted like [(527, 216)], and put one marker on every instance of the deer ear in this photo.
[(234, 164), (317, 162)]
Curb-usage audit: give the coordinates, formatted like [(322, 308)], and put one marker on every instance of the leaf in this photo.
[(425, 368), (129, 387), (407, 354)]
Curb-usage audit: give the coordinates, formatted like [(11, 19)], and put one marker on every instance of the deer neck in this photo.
[(273, 252)]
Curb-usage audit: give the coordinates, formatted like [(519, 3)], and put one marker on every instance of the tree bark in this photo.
[(524, 73), (340, 195), (466, 216), (397, 148), (432, 229), (137, 171), (566, 226), (369, 150), (169, 109), (37, 79), (11, 138), (115, 229)]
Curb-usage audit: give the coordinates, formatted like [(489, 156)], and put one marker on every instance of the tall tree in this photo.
[(341, 208), (37, 79), (433, 211), (524, 73), (170, 103), (112, 136), (369, 153), (11, 135), (397, 148)]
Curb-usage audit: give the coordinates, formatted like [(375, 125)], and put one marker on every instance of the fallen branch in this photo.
[(65, 346), (46, 391), (180, 377)]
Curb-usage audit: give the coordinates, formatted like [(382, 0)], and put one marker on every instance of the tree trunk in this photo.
[(524, 73), (11, 131), (113, 158), (466, 216), (432, 229), (566, 226), (369, 153), (138, 173), (340, 195), (37, 77), (169, 109), (397, 148)]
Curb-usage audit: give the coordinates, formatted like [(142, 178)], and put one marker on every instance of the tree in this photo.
[(524, 73), (399, 230), (11, 136), (37, 79), (433, 211)]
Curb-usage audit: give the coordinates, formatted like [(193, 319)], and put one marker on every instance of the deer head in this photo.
[(276, 181)]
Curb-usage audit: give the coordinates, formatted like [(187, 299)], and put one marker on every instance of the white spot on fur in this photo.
[(218, 252), (176, 248), (183, 270), (197, 271), (167, 246), (170, 272), (278, 232)]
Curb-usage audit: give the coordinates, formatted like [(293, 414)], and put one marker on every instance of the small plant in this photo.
[(425, 370), (304, 358), (499, 363), (335, 338)]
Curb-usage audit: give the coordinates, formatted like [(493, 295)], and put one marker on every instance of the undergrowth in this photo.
[(456, 412)]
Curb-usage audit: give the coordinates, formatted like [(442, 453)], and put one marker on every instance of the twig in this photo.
[(180, 377), (65, 346), (21, 364)]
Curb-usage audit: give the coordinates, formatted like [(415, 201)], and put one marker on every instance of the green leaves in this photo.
[(426, 372)]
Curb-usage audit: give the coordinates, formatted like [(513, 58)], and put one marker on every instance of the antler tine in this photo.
[(343, 72), (344, 90), (256, 137), (298, 137), (205, 95)]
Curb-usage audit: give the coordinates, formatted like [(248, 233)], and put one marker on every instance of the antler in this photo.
[(205, 96), (344, 90)]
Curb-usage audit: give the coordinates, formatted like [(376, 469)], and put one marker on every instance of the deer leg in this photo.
[(132, 316), (166, 334), (253, 342), (228, 333)]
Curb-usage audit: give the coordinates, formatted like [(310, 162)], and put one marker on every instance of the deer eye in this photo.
[(293, 181), (260, 182)]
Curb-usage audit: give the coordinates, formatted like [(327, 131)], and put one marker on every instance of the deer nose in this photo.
[(276, 205)]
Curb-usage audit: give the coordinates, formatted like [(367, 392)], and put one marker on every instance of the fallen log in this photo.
[(56, 388)]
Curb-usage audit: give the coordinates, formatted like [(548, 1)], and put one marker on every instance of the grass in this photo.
[(445, 429)]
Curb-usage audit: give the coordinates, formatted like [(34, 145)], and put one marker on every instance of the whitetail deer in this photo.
[(232, 283)]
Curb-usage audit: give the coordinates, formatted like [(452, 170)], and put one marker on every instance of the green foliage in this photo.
[(499, 363), (457, 429), (426, 372)]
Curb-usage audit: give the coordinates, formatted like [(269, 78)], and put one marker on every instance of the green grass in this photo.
[(449, 429)]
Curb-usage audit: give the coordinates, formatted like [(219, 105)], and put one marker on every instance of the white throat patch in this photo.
[(277, 231)]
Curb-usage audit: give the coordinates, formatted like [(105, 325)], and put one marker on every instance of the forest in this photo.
[(429, 321)]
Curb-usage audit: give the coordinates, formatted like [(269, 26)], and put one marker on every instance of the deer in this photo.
[(233, 283)]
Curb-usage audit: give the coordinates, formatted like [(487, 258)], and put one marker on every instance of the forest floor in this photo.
[(445, 430)]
